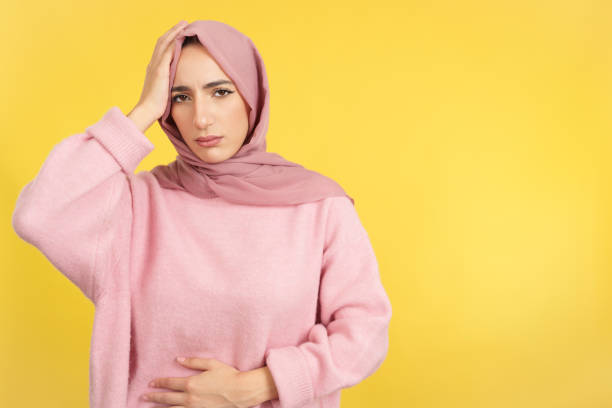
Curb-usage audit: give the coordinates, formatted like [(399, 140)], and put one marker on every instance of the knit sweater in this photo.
[(295, 288)]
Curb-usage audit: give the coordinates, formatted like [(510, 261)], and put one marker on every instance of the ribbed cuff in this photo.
[(122, 138), (291, 375)]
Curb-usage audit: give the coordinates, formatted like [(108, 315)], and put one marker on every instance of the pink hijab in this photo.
[(252, 175)]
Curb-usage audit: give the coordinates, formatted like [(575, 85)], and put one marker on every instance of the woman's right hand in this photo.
[(154, 96)]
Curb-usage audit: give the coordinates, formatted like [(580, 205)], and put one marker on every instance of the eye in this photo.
[(175, 100), (227, 91), (176, 96)]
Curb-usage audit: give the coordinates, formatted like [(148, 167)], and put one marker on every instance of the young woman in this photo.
[(256, 269)]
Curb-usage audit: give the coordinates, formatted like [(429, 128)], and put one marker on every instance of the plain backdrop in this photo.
[(474, 136)]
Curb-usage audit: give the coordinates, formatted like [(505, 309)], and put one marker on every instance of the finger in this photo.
[(166, 43), (175, 28), (172, 383), (163, 42), (201, 363), (170, 398), (170, 34)]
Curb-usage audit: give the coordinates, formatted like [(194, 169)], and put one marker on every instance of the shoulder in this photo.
[(340, 206), (144, 183), (343, 223)]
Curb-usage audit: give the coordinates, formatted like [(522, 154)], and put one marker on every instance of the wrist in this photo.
[(257, 386), (141, 117)]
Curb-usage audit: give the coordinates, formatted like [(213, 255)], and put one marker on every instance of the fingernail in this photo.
[(181, 359)]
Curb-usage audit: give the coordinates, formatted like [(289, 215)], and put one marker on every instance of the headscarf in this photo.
[(252, 175)]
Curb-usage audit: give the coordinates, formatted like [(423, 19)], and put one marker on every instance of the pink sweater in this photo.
[(296, 287)]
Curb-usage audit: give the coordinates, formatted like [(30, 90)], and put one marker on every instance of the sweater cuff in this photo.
[(291, 375), (122, 138)]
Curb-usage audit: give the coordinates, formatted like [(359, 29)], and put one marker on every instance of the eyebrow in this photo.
[(181, 88)]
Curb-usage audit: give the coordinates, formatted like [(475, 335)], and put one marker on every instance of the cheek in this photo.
[(179, 113), (235, 111), (240, 114)]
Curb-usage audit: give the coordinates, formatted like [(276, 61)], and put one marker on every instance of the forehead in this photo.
[(196, 63)]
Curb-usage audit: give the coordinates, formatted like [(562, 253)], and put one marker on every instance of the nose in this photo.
[(202, 114)]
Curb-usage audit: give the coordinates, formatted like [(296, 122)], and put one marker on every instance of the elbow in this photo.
[(386, 318), (21, 224), (383, 339), (25, 223), (386, 310)]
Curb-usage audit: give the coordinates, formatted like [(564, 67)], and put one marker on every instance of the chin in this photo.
[(212, 160)]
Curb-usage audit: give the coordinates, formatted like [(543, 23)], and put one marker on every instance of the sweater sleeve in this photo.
[(350, 340), (78, 209)]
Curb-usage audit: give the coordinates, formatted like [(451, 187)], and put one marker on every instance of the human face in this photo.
[(200, 107)]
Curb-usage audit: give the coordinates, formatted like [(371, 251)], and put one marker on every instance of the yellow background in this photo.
[(473, 135)]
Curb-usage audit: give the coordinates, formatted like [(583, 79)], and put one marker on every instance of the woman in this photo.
[(255, 268)]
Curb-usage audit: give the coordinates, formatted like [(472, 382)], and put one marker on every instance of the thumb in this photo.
[(197, 362)]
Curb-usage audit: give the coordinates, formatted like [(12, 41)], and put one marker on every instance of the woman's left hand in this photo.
[(216, 387)]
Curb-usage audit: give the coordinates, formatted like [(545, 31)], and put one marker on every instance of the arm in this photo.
[(255, 387), (77, 210), (351, 340)]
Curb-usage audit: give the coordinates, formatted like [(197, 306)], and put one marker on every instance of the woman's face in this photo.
[(201, 106)]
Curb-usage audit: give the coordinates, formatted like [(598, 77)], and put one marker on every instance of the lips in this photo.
[(207, 138)]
